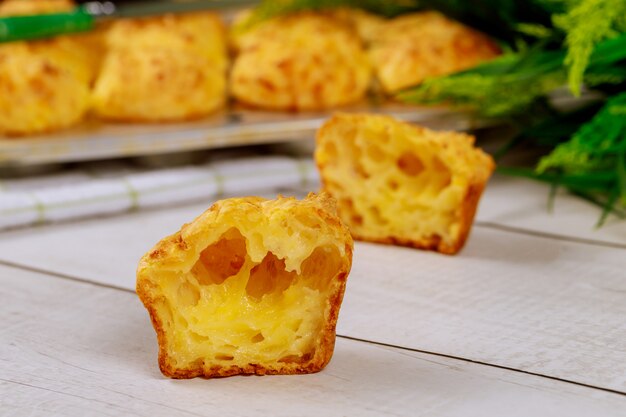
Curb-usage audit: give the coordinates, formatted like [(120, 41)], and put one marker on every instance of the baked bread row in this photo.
[(178, 67), (154, 69)]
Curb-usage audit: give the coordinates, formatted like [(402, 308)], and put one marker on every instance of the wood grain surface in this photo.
[(527, 321), (94, 353)]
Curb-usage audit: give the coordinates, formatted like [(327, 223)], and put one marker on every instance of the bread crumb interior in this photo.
[(233, 311)]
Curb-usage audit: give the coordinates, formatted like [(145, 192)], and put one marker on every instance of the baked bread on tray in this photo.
[(402, 184), (175, 67), (26, 7), (302, 61), (38, 93), (44, 85), (410, 48), (251, 286), (163, 68), (81, 52), (366, 25)]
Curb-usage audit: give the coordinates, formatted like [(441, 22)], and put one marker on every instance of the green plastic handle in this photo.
[(16, 28)]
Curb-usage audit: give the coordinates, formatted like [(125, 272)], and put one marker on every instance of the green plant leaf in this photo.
[(587, 23)]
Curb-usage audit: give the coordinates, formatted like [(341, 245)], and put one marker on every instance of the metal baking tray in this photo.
[(93, 139)]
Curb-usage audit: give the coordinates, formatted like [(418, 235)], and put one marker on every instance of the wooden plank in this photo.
[(104, 249), (523, 204), (544, 306), (69, 348), (541, 305)]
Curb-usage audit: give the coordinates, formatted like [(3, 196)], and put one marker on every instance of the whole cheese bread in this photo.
[(303, 61), (38, 93), (81, 53), (163, 68), (402, 184), (44, 85), (252, 286), (366, 25), (28, 7), (411, 48)]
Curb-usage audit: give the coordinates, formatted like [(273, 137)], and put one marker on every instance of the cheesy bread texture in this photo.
[(302, 61), (252, 286), (44, 85), (400, 183), (163, 68), (410, 48)]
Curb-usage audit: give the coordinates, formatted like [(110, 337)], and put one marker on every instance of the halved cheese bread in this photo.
[(400, 183), (252, 286)]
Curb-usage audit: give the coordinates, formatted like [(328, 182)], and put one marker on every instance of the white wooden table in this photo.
[(529, 320)]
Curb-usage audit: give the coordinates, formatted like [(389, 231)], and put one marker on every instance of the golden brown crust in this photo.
[(413, 47), (44, 84), (468, 167), (304, 61), (366, 25), (173, 250), (39, 92), (28, 7), (182, 57)]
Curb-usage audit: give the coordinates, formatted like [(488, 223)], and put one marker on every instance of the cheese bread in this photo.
[(402, 184), (252, 286)]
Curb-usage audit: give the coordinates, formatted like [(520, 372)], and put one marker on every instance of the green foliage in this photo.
[(585, 24), (596, 150), (588, 154), (514, 83), (505, 86), (534, 30)]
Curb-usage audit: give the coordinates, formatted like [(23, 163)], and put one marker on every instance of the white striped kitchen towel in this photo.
[(82, 194)]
